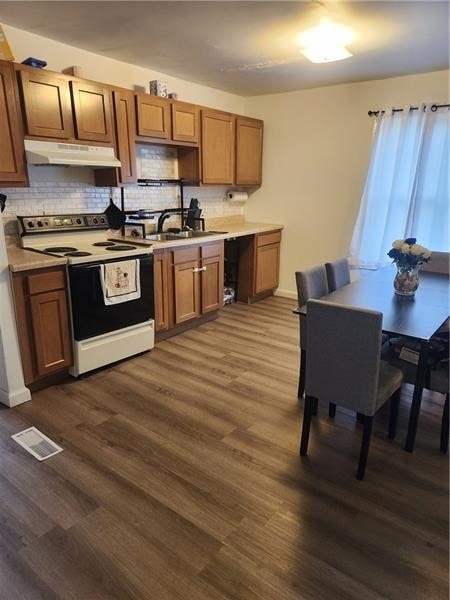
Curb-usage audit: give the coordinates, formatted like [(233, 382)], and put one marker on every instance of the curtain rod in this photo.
[(434, 107)]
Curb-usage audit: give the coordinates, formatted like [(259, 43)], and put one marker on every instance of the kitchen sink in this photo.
[(168, 236)]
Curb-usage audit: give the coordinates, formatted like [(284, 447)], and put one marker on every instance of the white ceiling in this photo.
[(246, 48)]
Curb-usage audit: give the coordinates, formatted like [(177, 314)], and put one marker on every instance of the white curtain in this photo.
[(407, 187)]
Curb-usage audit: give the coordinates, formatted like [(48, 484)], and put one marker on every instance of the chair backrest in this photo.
[(311, 283), (338, 273), (439, 263), (343, 355)]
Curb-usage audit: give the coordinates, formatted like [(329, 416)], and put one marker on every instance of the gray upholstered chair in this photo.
[(439, 382), (338, 274), (311, 283), (344, 368), (439, 263)]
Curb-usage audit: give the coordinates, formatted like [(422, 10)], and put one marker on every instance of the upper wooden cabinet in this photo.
[(185, 122), (92, 112), (58, 108), (217, 147), (249, 138), (125, 123), (12, 164), (165, 120), (153, 116), (47, 104)]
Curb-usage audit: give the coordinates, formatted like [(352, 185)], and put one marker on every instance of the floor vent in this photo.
[(36, 443)]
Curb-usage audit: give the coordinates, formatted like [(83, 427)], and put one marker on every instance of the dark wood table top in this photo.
[(417, 317)]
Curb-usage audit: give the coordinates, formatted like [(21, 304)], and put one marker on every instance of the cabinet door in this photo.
[(217, 147), (212, 284), (185, 122), (125, 122), (92, 111), (249, 137), (48, 110), (186, 284), (267, 267), (12, 165), (153, 116), (51, 332), (161, 292)]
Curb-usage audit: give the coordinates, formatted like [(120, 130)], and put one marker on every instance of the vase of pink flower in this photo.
[(408, 257)]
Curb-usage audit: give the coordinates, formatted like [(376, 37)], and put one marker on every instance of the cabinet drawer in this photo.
[(264, 239), (211, 250), (46, 282), (183, 255)]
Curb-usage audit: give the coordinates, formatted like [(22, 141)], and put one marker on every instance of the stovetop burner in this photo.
[(60, 249), (120, 247), (78, 253), (105, 244)]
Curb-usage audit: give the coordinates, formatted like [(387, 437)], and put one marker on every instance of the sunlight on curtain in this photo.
[(407, 189)]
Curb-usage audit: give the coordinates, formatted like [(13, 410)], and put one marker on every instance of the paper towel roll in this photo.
[(237, 196)]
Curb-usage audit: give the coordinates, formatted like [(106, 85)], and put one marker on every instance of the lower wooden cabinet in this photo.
[(259, 265), (43, 322), (188, 283)]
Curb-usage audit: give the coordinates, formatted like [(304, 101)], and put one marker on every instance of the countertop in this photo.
[(229, 231), (24, 260)]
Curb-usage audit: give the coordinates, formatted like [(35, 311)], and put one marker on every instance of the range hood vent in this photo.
[(75, 155)]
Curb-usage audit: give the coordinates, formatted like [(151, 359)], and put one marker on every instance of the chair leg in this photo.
[(445, 426), (315, 406), (367, 431), (302, 374), (307, 414), (359, 417), (394, 404), (331, 410)]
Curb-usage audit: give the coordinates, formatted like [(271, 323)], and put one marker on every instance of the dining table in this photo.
[(416, 317)]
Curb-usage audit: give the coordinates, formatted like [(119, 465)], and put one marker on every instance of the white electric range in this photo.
[(102, 333)]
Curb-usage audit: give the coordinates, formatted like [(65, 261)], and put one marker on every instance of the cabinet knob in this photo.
[(198, 269)]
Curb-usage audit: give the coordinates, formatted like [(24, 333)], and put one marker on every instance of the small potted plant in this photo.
[(408, 257)]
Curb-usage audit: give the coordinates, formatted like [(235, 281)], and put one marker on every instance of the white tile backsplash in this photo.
[(55, 190)]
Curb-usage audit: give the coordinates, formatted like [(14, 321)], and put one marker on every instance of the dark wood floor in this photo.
[(180, 479)]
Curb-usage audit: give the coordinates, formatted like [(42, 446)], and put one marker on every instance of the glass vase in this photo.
[(406, 281)]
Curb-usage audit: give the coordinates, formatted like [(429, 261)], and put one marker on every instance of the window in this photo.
[(407, 187)]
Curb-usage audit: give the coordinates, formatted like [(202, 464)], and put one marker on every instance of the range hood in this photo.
[(75, 155)]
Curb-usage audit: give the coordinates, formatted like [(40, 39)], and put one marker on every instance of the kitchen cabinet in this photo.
[(166, 121), (259, 264), (217, 147), (153, 117), (161, 291), (185, 122), (47, 104), (188, 286), (249, 139), (12, 164), (124, 120), (43, 323), (92, 111), (57, 107)]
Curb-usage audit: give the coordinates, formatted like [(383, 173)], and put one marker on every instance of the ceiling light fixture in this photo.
[(326, 43)]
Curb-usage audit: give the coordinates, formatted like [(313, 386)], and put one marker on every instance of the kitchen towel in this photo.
[(120, 281)]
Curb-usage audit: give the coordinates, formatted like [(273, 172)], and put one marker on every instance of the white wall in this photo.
[(316, 150)]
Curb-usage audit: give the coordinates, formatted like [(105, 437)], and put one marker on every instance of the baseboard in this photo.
[(15, 398), (285, 294)]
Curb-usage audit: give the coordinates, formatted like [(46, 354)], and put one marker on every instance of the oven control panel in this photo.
[(50, 223)]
